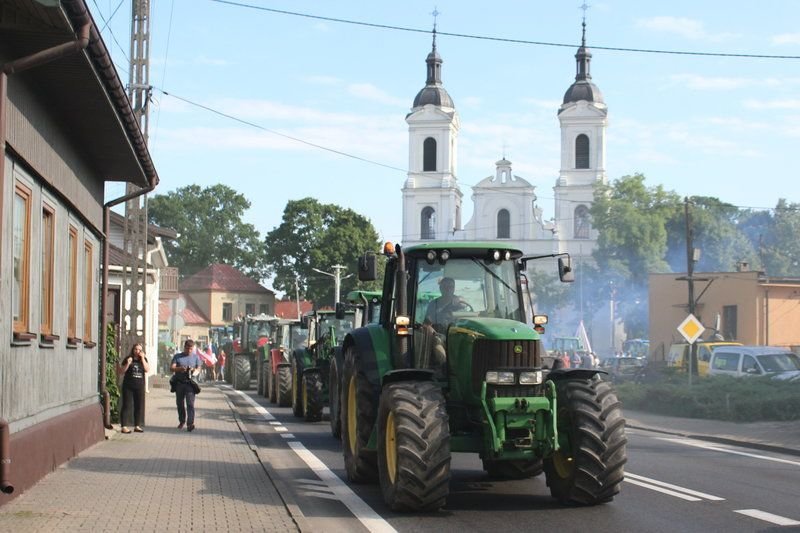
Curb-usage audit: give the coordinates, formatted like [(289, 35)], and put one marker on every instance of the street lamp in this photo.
[(337, 279)]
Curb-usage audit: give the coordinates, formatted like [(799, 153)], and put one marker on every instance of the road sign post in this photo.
[(691, 328)]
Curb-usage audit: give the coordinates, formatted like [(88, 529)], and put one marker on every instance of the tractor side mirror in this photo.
[(304, 321), (340, 309), (367, 267), (565, 272)]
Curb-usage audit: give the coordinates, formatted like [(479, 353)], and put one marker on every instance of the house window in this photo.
[(263, 308), (48, 253), (582, 222), (582, 151), (88, 265), (227, 312), (249, 309), (72, 280), (429, 155), (729, 319), (20, 295), (503, 224), (428, 223)]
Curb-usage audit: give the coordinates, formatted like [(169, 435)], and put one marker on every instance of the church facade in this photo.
[(504, 205)]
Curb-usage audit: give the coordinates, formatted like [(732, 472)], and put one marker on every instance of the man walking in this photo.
[(183, 364)]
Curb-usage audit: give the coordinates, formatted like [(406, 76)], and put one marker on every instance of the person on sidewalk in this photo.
[(183, 364), (221, 359), (134, 367)]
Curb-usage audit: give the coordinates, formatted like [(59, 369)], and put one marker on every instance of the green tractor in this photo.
[(289, 336), (311, 364), (463, 373), (250, 345), (367, 308)]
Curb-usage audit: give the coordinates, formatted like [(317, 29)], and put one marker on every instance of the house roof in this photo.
[(192, 315), (99, 113), (221, 277), (288, 308), (152, 230), (119, 257)]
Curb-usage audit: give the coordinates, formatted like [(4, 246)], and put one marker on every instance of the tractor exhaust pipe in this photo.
[(5, 457)]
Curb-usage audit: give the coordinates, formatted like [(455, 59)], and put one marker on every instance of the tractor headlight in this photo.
[(444, 256), (507, 255), (500, 378), (496, 255), (530, 378), (430, 257)]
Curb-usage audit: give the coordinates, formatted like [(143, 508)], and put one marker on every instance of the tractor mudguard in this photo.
[(408, 374), (364, 346), (574, 373)]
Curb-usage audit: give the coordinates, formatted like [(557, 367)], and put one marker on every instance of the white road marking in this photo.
[(275, 423), (674, 487), (280, 429), (768, 517), (363, 512), (698, 444), (320, 495), (663, 490), (287, 435), (371, 520)]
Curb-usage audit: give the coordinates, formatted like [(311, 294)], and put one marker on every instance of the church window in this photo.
[(503, 224), (582, 222), (429, 155), (428, 223), (582, 151)]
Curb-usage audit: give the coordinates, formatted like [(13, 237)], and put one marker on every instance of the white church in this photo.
[(504, 205)]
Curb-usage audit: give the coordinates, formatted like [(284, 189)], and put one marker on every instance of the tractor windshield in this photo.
[(341, 326), (466, 287)]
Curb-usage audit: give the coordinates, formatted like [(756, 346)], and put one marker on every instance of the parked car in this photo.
[(623, 368), (741, 361), (678, 355)]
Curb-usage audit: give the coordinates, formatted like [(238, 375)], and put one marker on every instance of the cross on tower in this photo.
[(584, 7), (435, 14)]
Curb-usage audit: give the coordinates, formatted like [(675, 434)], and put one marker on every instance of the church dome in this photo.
[(434, 92), (583, 88)]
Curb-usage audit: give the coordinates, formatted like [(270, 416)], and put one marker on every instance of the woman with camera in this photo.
[(134, 367)]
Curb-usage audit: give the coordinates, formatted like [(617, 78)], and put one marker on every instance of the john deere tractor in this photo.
[(367, 307), (289, 335), (462, 372), (311, 364), (251, 341)]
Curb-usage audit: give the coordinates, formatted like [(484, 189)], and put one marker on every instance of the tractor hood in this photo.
[(494, 329)]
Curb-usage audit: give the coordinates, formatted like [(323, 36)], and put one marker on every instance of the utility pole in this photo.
[(337, 279), (297, 295)]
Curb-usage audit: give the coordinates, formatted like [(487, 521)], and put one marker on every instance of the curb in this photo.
[(720, 440)]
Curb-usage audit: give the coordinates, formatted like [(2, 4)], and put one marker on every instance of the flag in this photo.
[(583, 338)]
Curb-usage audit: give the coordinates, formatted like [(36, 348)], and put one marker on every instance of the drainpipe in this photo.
[(5, 458)]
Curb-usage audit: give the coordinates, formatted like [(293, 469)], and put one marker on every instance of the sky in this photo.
[(233, 83)]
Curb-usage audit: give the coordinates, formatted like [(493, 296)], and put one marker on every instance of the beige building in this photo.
[(752, 308)]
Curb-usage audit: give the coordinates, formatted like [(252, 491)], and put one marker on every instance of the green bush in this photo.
[(716, 398), (111, 371)]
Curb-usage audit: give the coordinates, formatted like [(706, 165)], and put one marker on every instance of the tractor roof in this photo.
[(463, 248)]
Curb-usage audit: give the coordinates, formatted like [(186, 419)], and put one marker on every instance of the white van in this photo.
[(738, 361)]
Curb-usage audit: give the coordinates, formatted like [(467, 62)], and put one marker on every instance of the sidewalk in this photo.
[(160, 480), (783, 437)]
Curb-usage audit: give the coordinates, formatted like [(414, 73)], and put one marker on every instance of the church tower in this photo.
[(431, 196), (583, 117)]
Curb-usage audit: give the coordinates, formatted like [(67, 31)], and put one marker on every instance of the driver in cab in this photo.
[(440, 310)]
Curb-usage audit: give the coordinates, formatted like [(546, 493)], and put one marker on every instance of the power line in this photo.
[(501, 39), (110, 30)]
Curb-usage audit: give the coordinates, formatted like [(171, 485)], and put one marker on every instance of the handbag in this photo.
[(195, 386)]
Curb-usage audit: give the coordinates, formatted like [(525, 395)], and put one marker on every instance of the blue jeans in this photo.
[(184, 397)]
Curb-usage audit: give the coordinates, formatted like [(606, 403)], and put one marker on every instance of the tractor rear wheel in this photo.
[(271, 382), (358, 420), (297, 400), (518, 469), (259, 374), (284, 386), (241, 372), (312, 396), (413, 446), (334, 400), (589, 468)]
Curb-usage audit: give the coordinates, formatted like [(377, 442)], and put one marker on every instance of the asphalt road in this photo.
[(672, 484)]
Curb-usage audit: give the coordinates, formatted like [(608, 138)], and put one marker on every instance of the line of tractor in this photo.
[(446, 358)]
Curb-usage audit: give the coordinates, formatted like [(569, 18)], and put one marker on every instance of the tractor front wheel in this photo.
[(413, 446), (335, 406), (312, 396), (518, 469), (589, 467), (241, 372), (358, 420), (271, 383), (297, 400), (284, 386), (259, 374)]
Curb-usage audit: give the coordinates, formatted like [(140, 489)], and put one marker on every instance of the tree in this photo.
[(209, 222), (315, 235), (781, 248)]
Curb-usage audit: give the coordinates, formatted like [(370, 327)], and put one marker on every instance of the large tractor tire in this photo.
[(270, 384), (413, 446), (259, 374), (312, 396), (334, 391), (590, 468), (297, 400), (358, 419), (513, 469), (241, 370), (283, 381)]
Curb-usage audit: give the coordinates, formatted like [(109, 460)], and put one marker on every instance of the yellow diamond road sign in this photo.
[(691, 329)]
